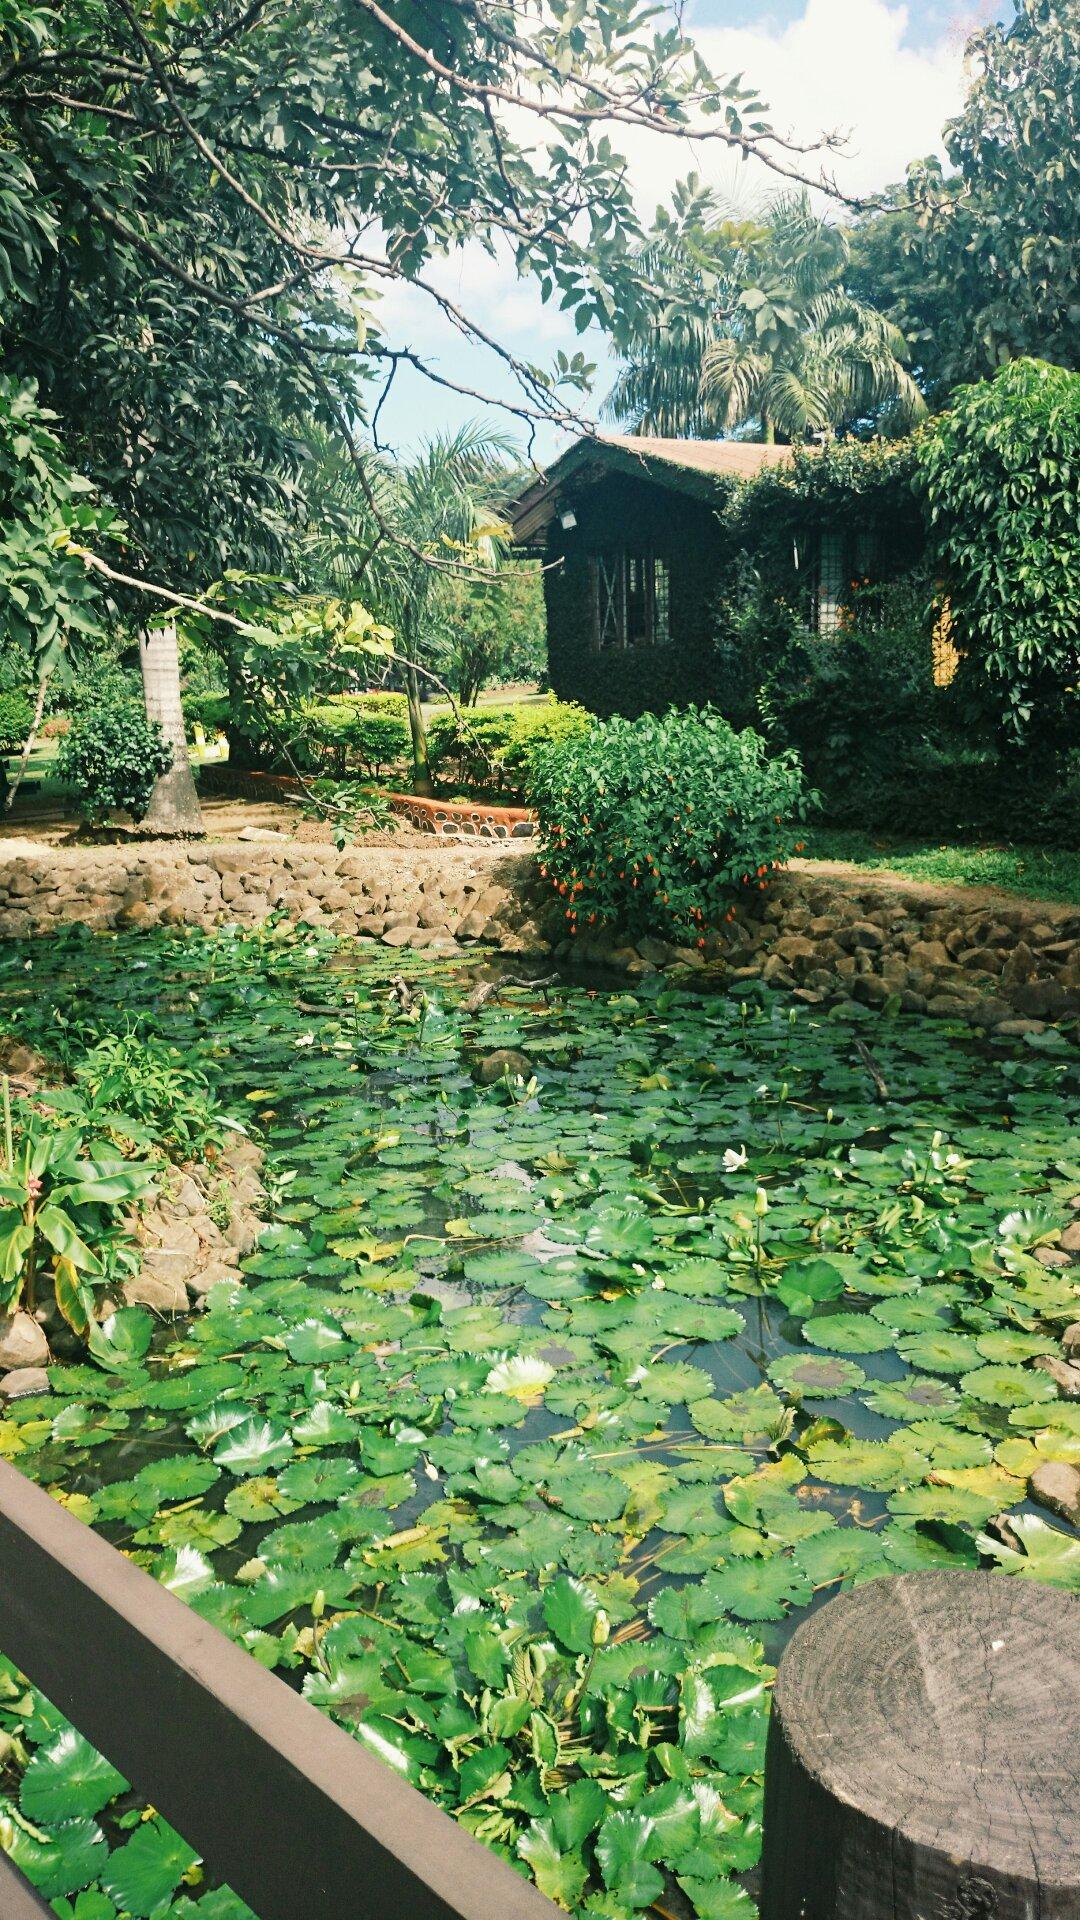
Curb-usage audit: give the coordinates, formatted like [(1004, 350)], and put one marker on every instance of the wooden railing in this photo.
[(281, 1803)]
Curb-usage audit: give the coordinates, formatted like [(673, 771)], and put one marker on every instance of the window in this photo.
[(831, 580), (631, 601)]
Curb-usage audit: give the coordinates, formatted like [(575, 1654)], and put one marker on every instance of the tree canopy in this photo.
[(774, 340), (976, 263)]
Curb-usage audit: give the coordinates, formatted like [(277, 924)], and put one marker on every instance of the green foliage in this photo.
[(658, 824), (113, 757), (1001, 473), (351, 733), (62, 1197), (1001, 233), (16, 719), (495, 629), (491, 748), (47, 510), (359, 1490), (209, 710), (140, 1087)]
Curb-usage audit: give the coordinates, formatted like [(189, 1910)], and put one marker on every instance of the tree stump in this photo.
[(924, 1755)]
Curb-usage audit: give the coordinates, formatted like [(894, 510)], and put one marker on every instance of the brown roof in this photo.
[(699, 460), (742, 459)]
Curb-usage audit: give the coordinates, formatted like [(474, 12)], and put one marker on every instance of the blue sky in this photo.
[(885, 73)]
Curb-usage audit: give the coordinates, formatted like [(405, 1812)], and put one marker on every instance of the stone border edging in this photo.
[(1005, 966)]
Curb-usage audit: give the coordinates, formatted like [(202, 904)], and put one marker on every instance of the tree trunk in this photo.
[(768, 430), (421, 780), (922, 1760), (174, 804), (28, 745)]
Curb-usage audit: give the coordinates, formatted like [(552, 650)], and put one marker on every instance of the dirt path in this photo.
[(930, 892)]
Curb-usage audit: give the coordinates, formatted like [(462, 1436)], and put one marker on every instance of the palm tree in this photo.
[(439, 522), (787, 349)]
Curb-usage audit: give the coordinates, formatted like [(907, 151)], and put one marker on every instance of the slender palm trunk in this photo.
[(29, 743), (174, 804), (422, 781), (768, 430)]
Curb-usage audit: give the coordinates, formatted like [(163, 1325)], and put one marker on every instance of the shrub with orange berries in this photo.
[(656, 825)]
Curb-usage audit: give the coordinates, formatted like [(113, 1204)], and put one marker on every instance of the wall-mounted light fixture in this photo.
[(568, 519)]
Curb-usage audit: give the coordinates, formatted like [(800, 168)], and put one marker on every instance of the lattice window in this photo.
[(662, 604), (631, 601), (610, 612), (831, 582)]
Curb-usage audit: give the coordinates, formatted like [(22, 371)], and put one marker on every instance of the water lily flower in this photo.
[(733, 1161)]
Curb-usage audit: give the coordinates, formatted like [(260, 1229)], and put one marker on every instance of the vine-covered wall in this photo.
[(636, 515), (705, 534)]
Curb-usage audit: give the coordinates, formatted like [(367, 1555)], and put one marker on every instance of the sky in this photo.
[(886, 74)]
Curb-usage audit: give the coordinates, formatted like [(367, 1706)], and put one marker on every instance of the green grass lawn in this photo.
[(1046, 873)]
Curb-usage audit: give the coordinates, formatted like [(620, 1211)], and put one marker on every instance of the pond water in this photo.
[(547, 1409)]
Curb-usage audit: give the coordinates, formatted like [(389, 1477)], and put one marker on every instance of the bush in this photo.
[(113, 756), (491, 748), (16, 719), (658, 824), (208, 710), (364, 731)]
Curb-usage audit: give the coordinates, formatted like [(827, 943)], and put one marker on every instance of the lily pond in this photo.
[(548, 1408)]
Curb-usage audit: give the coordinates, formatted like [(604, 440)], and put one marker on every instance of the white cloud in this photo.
[(843, 67)]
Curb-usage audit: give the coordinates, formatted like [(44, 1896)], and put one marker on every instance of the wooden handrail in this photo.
[(300, 1821), (18, 1901)]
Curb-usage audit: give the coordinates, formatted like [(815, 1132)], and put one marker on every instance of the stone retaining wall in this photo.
[(992, 961)]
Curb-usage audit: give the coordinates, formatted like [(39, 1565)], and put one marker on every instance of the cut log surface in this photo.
[(924, 1755)]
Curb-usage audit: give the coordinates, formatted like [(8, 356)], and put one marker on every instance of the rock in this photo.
[(946, 1004), (1052, 1257), (928, 953), (24, 1380), (162, 1293), (1043, 999), (1016, 1029), (861, 933), (1020, 965), (215, 1274), (504, 1060), (1070, 1341), (22, 1343), (401, 936), (871, 990), (657, 952), (1056, 1485), (1070, 1239), (472, 926), (1063, 1372), (262, 833), (22, 1060)]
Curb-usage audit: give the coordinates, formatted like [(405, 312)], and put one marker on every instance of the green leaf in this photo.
[(624, 1845), (67, 1780), (253, 1446), (1045, 1552), (120, 1342), (573, 1611), (59, 1862), (148, 1869), (559, 1873)]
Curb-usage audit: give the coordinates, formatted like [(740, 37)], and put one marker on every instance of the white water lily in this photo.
[(732, 1161), (523, 1377)]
